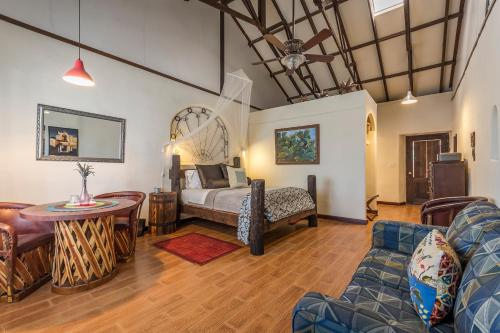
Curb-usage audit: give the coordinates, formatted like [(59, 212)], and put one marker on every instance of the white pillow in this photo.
[(193, 180), (237, 177)]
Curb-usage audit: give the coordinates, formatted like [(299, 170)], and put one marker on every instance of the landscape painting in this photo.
[(297, 145), (63, 141)]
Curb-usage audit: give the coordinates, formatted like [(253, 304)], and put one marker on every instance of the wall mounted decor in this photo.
[(473, 145), (297, 145), (63, 141), (455, 143), (69, 135)]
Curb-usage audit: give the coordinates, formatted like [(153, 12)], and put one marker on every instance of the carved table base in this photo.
[(84, 254)]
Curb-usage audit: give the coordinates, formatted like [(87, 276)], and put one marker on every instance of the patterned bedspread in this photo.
[(278, 204)]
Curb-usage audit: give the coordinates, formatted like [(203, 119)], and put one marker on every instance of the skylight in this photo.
[(380, 6)]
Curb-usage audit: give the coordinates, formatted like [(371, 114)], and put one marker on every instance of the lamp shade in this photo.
[(78, 76), (409, 99)]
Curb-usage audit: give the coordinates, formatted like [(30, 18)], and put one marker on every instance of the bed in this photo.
[(252, 210)]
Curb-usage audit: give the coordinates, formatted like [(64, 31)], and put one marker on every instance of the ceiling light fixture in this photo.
[(77, 74), (409, 99)]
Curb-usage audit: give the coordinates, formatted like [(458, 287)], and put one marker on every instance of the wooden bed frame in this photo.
[(258, 223)]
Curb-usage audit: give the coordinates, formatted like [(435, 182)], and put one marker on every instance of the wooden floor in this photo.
[(159, 292)]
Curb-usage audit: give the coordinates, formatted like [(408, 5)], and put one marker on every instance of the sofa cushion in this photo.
[(470, 226), (434, 272), (477, 306), (393, 304), (385, 267)]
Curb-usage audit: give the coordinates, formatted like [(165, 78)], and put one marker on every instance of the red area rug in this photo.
[(197, 248)]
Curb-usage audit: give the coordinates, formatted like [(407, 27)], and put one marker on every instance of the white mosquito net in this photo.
[(202, 135)]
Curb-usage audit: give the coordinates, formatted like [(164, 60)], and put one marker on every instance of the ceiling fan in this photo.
[(294, 48)]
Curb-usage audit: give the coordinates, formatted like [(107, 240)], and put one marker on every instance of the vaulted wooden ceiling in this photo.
[(411, 47)]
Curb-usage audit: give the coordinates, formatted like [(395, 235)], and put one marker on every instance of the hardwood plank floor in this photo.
[(159, 292)]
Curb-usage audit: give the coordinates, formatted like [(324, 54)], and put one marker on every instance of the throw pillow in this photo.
[(434, 273), (192, 179), (237, 177), (209, 173)]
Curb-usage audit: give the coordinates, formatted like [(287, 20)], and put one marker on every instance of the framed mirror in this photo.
[(69, 135)]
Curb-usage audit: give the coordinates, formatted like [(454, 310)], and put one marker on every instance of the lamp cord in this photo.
[(293, 19), (79, 42)]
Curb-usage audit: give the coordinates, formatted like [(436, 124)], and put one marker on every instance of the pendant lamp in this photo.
[(77, 74), (409, 99)]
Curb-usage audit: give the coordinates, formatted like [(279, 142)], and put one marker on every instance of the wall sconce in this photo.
[(473, 145)]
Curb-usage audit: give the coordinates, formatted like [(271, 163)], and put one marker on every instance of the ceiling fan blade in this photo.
[(265, 61), (275, 41), (320, 57), (320, 36)]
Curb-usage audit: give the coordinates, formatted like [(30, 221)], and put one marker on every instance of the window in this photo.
[(380, 6)]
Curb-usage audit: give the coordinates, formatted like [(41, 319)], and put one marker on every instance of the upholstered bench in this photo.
[(378, 297)]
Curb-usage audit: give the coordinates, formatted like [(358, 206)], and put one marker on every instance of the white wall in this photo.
[(477, 97), (31, 67), (432, 114), (180, 38), (341, 172)]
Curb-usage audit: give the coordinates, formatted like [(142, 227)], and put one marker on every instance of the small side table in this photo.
[(162, 212)]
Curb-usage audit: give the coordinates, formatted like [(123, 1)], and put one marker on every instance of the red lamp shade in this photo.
[(78, 76)]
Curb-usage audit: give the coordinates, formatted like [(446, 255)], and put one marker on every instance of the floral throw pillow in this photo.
[(434, 274)]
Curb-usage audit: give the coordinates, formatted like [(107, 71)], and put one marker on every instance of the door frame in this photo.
[(426, 136)]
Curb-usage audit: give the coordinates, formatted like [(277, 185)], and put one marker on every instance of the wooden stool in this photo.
[(162, 212)]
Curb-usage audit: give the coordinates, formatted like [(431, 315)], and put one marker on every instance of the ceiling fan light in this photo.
[(409, 99), (293, 61), (77, 75)]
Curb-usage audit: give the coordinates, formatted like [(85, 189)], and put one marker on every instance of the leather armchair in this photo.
[(442, 211), (126, 224), (25, 253)]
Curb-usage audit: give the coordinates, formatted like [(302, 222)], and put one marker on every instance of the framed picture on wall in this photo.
[(297, 145), (63, 141)]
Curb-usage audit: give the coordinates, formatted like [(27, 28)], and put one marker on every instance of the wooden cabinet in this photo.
[(162, 212), (447, 179)]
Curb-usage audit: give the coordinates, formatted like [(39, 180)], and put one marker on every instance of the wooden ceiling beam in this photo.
[(251, 10), (261, 9), (343, 32), (443, 50), (223, 7), (391, 36), (457, 41), (280, 26), (379, 53), (390, 76), (321, 46), (290, 34), (238, 24), (409, 48), (339, 46)]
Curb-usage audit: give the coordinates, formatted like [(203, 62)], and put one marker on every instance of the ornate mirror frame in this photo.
[(41, 108)]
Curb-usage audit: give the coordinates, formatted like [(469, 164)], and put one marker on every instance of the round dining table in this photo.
[(84, 247)]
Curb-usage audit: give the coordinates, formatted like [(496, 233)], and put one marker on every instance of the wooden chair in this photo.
[(126, 225), (442, 211), (25, 253)]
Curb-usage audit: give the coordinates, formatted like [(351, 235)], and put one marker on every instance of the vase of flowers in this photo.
[(84, 170)]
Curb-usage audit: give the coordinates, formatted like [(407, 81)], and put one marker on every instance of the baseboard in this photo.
[(342, 219), (391, 203)]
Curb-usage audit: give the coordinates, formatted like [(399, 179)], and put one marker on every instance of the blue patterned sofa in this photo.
[(378, 298)]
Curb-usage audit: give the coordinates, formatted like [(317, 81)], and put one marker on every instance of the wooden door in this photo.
[(420, 151)]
